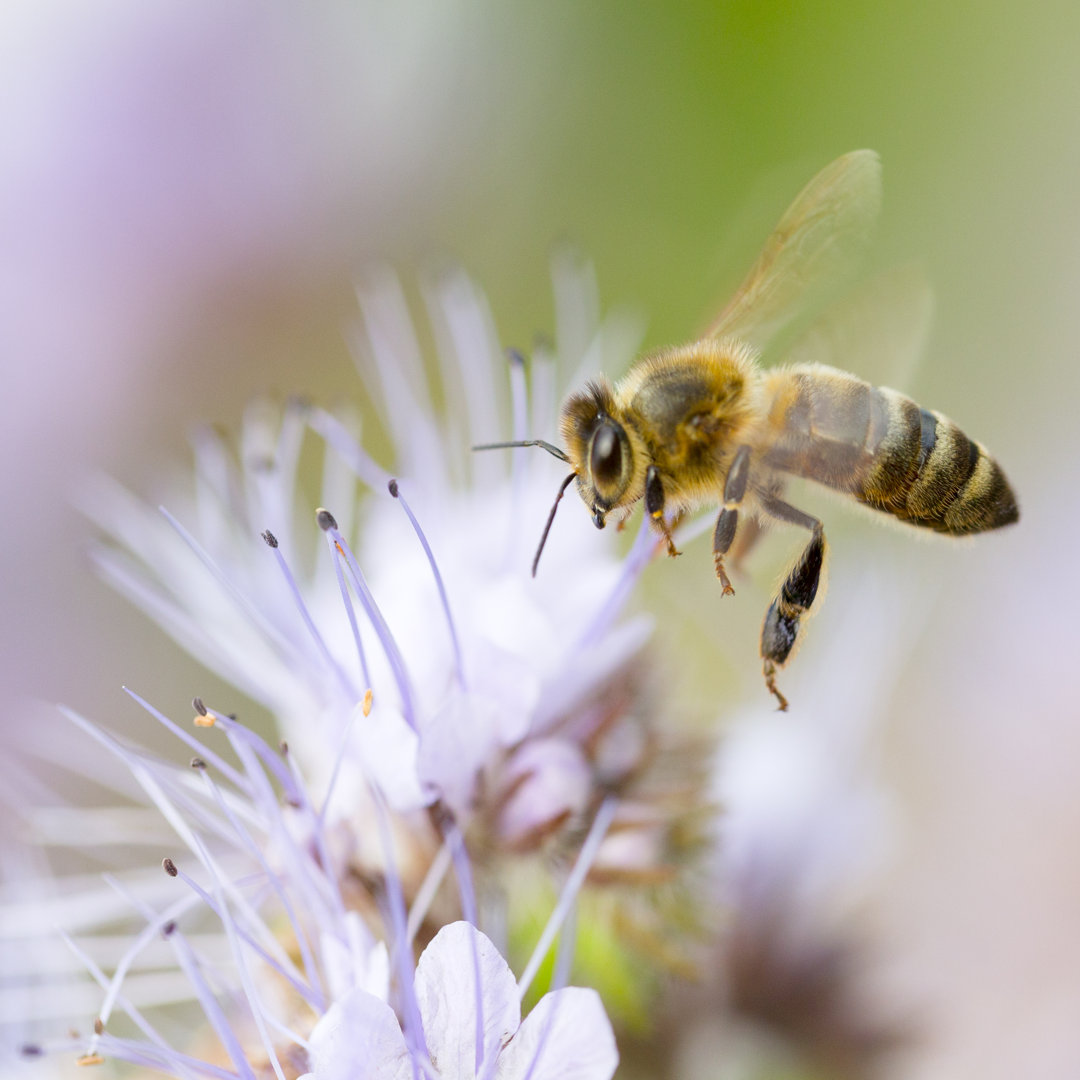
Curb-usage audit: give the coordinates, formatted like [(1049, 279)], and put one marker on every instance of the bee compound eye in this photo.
[(605, 457)]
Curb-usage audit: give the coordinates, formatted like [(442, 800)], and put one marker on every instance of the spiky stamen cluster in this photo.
[(285, 947), (443, 711)]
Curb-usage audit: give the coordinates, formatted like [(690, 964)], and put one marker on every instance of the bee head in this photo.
[(599, 449)]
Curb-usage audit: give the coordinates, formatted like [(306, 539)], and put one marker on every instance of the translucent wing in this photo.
[(878, 331), (819, 238)]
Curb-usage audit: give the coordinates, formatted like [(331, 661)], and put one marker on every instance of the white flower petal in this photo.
[(512, 682), (446, 991), (455, 744), (359, 1036), (550, 780), (389, 750), (361, 961), (566, 1037)]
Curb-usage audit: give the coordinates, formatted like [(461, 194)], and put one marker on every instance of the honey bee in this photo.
[(702, 424)]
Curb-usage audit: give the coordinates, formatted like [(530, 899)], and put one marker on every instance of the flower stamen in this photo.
[(463, 870), (313, 995), (604, 816), (256, 618), (350, 611), (294, 590), (185, 957), (428, 890), (208, 755), (459, 666), (240, 959), (334, 433), (386, 638)]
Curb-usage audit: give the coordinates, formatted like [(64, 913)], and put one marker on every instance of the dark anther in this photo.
[(168, 929), (169, 867), (270, 539), (393, 488), (515, 356), (325, 519), (198, 763), (198, 706), (99, 1026)]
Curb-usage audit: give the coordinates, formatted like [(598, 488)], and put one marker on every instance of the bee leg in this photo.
[(781, 627), (654, 506), (728, 521), (750, 532), (770, 685)]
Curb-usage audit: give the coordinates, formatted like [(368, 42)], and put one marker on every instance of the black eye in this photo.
[(605, 457)]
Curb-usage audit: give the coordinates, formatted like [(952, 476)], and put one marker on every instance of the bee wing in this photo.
[(818, 239), (878, 330)]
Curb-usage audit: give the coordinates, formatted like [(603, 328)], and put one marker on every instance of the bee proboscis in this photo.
[(703, 424)]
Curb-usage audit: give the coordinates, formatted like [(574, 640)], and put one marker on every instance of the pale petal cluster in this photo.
[(440, 708), (481, 677), (468, 1006), (287, 975)]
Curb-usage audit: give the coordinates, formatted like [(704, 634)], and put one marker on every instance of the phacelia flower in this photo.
[(440, 709), (288, 978), (489, 691)]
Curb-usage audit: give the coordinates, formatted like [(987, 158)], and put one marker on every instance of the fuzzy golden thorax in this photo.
[(683, 411)]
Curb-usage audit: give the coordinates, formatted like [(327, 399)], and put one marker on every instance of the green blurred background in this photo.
[(190, 190)]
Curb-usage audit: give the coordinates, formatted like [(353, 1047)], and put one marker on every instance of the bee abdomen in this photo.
[(926, 471)]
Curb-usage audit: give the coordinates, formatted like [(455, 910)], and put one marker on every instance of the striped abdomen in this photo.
[(880, 447)]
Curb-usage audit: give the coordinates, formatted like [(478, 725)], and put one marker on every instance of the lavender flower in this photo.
[(441, 710), (425, 601), (287, 976)]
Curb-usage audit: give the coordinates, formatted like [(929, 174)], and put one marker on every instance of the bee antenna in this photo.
[(553, 450), (551, 517)]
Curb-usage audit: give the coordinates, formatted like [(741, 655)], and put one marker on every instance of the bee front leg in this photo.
[(654, 506), (728, 521), (780, 630)]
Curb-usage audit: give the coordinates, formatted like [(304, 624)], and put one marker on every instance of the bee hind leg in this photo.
[(770, 684), (780, 630), (728, 521)]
